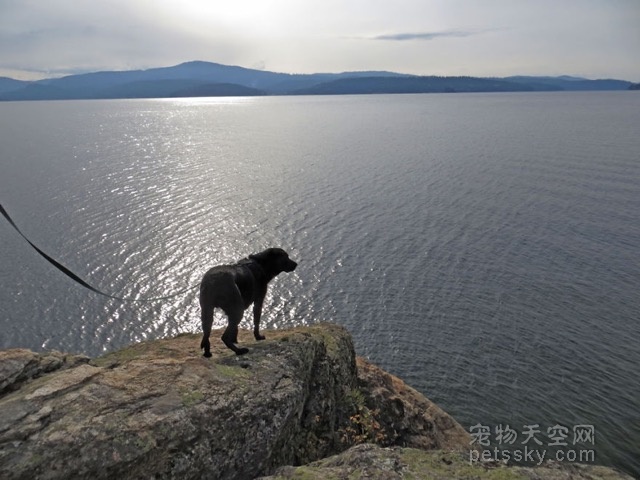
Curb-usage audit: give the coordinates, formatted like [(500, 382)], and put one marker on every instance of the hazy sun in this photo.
[(246, 16)]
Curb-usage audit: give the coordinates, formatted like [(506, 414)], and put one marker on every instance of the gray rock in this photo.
[(403, 416), (20, 365), (160, 410)]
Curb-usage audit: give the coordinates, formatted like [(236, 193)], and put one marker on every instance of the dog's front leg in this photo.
[(257, 313)]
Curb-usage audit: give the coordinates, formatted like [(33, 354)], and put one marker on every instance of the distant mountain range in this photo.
[(204, 79)]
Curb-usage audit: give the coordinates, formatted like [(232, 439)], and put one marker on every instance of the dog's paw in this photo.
[(260, 337), (207, 354), (242, 351)]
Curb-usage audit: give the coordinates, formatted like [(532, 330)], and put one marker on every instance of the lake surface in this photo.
[(483, 247)]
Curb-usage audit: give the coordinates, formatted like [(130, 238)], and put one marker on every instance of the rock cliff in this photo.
[(160, 410)]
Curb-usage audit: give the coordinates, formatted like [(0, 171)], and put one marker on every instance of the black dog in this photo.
[(234, 287)]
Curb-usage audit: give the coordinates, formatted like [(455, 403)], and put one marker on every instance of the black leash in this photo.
[(76, 278)]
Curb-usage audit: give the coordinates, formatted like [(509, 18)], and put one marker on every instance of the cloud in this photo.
[(427, 35)]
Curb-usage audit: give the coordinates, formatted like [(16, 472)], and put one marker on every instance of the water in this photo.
[(483, 247)]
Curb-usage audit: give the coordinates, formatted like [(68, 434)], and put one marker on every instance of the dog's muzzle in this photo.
[(291, 266)]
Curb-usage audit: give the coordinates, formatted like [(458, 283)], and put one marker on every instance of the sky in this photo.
[(586, 38)]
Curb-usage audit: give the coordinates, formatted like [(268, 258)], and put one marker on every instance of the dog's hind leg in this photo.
[(230, 335), (206, 315)]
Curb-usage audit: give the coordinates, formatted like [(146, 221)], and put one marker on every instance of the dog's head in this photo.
[(274, 261)]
